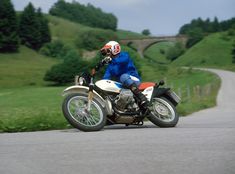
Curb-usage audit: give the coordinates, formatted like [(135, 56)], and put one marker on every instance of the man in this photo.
[(122, 69)]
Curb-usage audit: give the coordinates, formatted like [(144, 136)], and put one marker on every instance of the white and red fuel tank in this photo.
[(109, 85), (115, 87)]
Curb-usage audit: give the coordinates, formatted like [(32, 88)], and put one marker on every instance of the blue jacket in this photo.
[(120, 65)]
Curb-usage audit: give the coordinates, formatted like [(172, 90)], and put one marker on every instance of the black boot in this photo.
[(142, 100)]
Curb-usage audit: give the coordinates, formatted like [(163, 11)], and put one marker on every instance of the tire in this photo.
[(74, 110), (163, 113)]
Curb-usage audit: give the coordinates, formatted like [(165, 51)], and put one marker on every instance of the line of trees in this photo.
[(198, 28), (207, 26), (84, 14), (30, 28)]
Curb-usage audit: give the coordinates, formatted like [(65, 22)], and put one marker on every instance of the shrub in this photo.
[(65, 72), (233, 52), (175, 51), (55, 49)]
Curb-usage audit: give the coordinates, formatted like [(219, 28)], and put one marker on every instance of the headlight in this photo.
[(81, 80)]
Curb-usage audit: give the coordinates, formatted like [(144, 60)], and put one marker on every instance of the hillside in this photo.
[(213, 51), (26, 68), (67, 31)]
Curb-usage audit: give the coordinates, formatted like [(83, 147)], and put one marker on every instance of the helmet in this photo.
[(111, 47)]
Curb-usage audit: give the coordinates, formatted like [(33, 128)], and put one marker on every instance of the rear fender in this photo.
[(167, 93), (84, 90)]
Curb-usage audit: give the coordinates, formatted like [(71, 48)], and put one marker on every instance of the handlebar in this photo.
[(103, 62)]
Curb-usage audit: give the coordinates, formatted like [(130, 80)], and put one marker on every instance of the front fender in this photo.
[(84, 90)]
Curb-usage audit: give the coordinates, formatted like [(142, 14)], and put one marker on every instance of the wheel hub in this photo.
[(161, 110)]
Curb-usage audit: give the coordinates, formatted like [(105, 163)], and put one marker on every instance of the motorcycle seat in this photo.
[(145, 85)]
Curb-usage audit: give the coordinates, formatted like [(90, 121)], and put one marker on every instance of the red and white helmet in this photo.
[(113, 47)]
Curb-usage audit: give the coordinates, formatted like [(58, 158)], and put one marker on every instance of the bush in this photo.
[(231, 32), (94, 39), (55, 49), (233, 52), (65, 72), (175, 51), (162, 51)]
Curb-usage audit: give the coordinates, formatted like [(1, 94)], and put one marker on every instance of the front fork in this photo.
[(90, 94)]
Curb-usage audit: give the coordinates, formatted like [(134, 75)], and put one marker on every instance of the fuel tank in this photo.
[(109, 86)]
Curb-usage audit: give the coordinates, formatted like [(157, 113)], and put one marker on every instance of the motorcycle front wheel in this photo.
[(76, 112), (163, 113)]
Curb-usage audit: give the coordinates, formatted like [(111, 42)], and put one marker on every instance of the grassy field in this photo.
[(26, 68), (31, 109)]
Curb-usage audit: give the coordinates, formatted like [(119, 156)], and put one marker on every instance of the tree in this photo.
[(195, 35), (146, 32), (9, 40), (29, 28), (43, 28), (216, 25)]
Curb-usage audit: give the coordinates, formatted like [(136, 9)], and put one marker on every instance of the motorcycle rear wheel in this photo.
[(75, 111), (163, 113)]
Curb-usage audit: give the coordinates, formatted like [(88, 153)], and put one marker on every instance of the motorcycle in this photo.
[(89, 106)]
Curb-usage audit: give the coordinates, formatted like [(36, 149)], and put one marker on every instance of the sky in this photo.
[(161, 17)]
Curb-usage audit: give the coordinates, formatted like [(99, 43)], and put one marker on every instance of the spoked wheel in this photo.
[(163, 113), (75, 109)]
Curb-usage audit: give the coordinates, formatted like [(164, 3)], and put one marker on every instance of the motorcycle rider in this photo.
[(121, 68)]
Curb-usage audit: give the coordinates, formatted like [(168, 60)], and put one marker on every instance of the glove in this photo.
[(106, 60)]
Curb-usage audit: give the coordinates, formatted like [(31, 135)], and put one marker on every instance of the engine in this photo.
[(125, 101)]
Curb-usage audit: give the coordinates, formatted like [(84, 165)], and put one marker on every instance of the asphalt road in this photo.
[(202, 143)]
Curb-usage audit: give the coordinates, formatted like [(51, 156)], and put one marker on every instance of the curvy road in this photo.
[(202, 143)]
